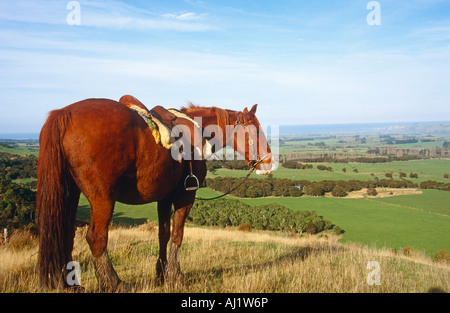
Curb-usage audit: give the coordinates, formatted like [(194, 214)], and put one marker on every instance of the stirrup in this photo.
[(195, 179)]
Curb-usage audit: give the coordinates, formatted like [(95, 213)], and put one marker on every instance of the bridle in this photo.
[(252, 164), (251, 143), (252, 169)]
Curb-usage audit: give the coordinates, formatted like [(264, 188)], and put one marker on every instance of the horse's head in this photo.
[(250, 141)]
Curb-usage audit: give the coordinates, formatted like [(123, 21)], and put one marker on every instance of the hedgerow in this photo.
[(273, 187), (227, 212)]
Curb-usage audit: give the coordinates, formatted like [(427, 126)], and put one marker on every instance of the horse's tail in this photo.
[(53, 216)]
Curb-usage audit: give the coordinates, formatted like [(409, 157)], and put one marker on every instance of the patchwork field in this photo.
[(431, 169)]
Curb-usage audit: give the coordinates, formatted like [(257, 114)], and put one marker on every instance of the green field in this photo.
[(21, 149), (124, 214), (430, 169), (420, 221)]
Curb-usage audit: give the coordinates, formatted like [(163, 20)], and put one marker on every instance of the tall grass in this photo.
[(228, 260)]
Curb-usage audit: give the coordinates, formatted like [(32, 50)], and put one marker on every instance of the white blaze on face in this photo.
[(265, 169)]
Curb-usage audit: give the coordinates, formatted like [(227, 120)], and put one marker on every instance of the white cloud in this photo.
[(110, 14), (189, 16), (143, 24)]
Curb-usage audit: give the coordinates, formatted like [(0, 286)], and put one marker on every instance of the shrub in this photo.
[(431, 184), (246, 227), (339, 191), (337, 230), (314, 190), (371, 191), (442, 256), (225, 212), (311, 228), (324, 168), (408, 251)]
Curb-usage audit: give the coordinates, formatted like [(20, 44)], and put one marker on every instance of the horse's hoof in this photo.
[(123, 288), (176, 279)]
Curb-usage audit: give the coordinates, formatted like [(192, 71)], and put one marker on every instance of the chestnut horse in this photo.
[(105, 150)]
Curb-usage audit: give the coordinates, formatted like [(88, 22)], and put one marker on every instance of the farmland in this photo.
[(421, 221), (378, 227), (426, 170)]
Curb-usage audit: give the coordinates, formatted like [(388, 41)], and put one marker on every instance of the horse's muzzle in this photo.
[(264, 168)]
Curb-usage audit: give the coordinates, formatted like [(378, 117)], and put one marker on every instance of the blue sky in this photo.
[(303, 62)]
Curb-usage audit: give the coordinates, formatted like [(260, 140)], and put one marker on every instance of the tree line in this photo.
[(17, 205), (13, 166), (275, 187)]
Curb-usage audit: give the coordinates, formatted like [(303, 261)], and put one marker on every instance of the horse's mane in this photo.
[(211, 115), (191, 107)]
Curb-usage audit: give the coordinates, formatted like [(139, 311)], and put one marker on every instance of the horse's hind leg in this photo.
[(181, 211), (97, 237)]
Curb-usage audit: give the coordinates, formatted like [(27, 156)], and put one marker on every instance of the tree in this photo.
[(314, 190), (339, 191), (17, 205), (371, 191)]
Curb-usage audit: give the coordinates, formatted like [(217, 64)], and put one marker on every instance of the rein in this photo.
[(252, 169)]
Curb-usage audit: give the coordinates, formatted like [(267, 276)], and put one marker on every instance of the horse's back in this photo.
[(111, 151), (102, 112), (102, 142)]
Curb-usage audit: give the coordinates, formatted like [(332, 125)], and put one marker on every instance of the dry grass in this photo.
[(382, 193), (228, 260)]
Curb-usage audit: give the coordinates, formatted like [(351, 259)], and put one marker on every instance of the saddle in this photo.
[(162, 121)]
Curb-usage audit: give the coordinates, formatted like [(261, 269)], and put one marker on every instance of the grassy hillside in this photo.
[(21, 149), (227, 260), (421, 221)]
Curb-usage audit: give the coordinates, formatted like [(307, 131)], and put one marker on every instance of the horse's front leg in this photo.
[(173, 273)]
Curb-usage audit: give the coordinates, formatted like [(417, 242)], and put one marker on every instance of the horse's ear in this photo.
[(253, 109), (245, 111)]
